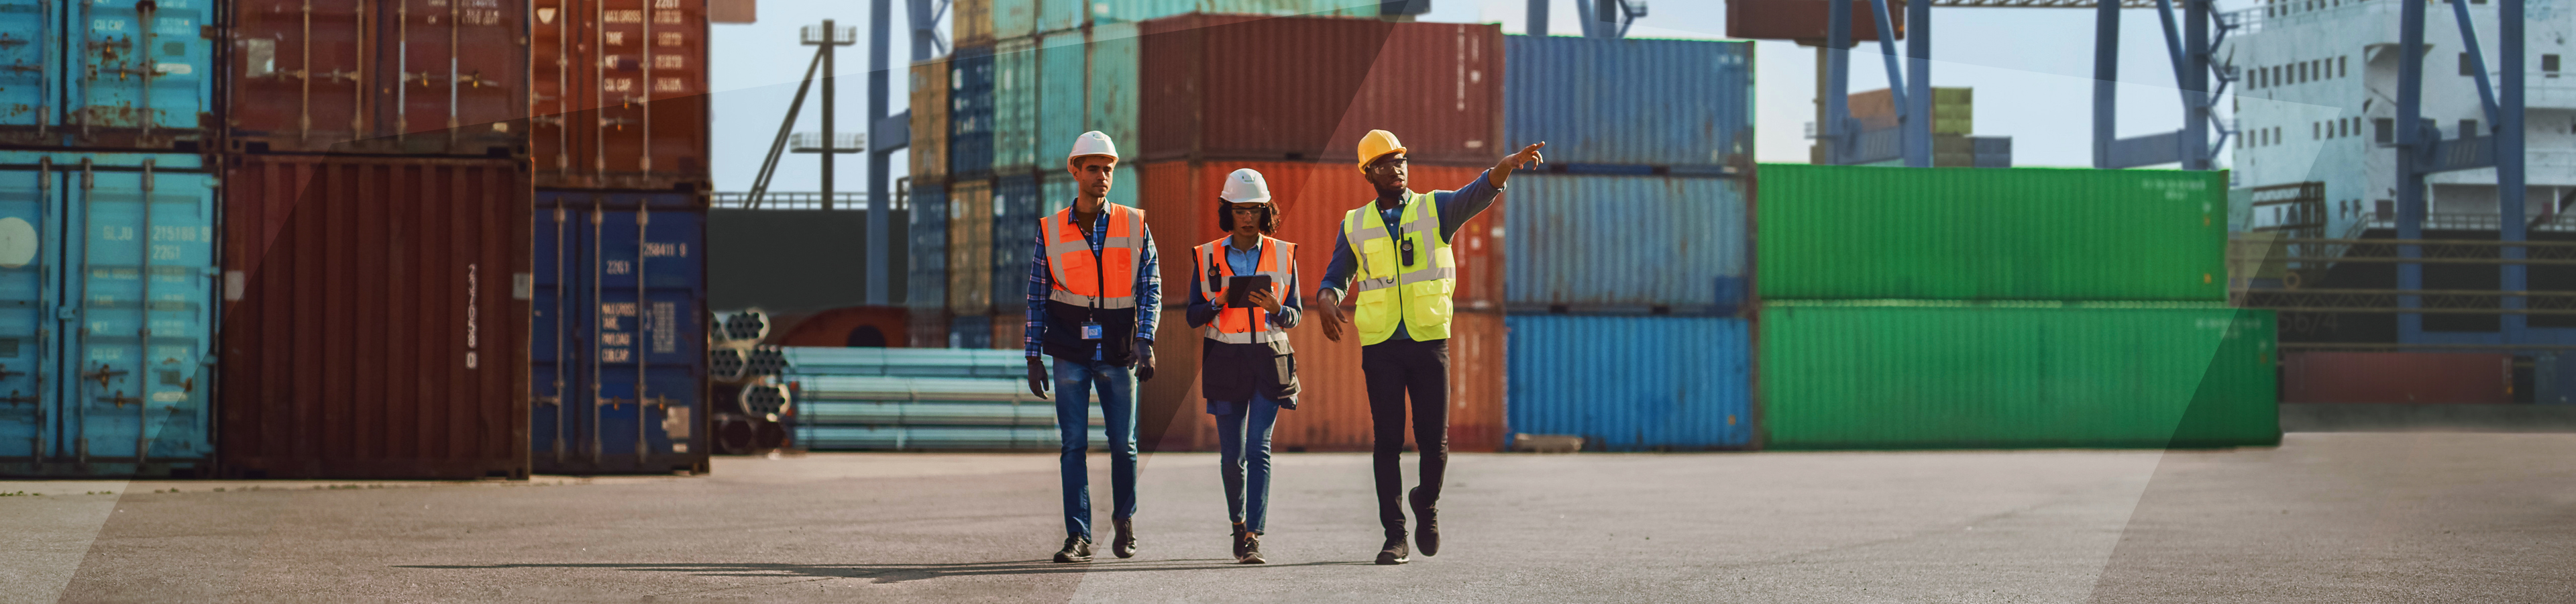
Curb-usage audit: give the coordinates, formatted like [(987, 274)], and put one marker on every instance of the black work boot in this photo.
[(1248, 549), (1077, 548), (1394, 552), (1239, 534), (1124, 545), (1428, 537)]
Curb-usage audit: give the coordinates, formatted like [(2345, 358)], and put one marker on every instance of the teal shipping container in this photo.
[(107, 274), (106, 73), (1633, 383), (1061, 82), (1110, 102), (1015, 105), (1935, 375)]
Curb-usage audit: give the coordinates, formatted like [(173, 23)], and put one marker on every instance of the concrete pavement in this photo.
[(2341, 517)]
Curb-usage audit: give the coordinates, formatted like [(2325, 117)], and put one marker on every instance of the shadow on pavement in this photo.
[(896, 573)]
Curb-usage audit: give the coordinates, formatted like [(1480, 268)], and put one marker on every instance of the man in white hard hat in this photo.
[(1094, 291), (1393, 257), (1247, 371)]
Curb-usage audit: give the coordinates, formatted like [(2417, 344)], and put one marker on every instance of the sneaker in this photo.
[(1124, 545), (1076, 549), (1394, 552), (1427, 537), (1248, 550)]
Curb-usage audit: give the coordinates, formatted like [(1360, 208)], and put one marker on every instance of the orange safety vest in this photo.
[(1106, 281), (1246, 325)]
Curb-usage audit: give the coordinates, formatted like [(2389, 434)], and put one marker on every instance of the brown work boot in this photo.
[(1124, 545)]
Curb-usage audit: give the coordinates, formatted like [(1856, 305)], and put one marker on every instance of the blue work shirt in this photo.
[(1456, 208), (1149, 285)]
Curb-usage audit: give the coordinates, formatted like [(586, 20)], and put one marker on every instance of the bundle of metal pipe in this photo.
[(740, 328), (919, 399), (726, 364)]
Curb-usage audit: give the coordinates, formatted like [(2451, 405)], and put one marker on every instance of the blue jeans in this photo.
[(1243, 449), (1074, 381)]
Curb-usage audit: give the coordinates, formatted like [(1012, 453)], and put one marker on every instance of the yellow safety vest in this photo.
[(1392, 291)]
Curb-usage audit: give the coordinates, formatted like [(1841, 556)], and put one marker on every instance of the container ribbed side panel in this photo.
[(1855, 232), (926, 279), (1935, 375), (1633, 383), (1625, 243), (1639, 102)]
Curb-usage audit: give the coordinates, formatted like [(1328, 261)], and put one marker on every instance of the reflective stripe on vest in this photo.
[(1238, 325), (1079, 278), (1390, 292)]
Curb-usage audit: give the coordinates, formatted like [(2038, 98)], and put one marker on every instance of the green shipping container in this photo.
[(1111, 102), (1062, 59), (1935, 375), (1859, 232)]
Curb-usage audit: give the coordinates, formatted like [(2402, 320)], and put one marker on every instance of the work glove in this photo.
[(1037, 377), (1144, 359)]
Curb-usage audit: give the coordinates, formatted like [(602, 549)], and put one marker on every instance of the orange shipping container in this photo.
[(1332, 409), (1180, 200), (620, 94)]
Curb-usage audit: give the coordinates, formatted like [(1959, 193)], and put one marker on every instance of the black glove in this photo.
[(1144, 359), (1037, 377)]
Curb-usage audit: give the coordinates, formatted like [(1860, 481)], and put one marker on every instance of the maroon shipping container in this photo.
[(375, 318), (1237, 87), (2396, 377), (620, 94), (434, 77), (1804, 19)]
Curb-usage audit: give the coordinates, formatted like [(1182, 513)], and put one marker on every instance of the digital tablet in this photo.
[(1238, 290)]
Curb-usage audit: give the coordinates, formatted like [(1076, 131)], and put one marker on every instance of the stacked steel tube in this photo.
[(919, 399), (749, 406)]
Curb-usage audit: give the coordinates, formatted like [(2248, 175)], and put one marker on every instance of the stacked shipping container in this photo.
[(1630, 247), (1952, 307), (107, 239)]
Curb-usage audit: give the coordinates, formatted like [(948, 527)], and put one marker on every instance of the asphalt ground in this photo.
[(2341, 517)]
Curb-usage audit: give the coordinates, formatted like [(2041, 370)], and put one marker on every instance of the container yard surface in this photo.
[(2421, 517)]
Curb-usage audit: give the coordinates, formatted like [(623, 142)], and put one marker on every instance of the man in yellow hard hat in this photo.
[(1393, 258)]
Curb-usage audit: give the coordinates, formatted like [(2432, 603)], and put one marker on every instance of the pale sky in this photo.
[(2031, 68)]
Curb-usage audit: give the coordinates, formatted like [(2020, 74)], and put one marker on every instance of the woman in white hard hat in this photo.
[(1244, 301)]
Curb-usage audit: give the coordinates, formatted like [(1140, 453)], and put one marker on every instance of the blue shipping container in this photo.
[(1589, 243), (1681, 103), (926, 276), (114, 382), (1015, 235), (619, 346), (970, 111), (115, 73), (971, 331), (1633, 383)]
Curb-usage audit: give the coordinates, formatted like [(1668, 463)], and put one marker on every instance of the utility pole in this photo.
[(830, 39)]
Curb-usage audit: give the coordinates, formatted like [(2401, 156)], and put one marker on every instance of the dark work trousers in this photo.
[(1395, 368)]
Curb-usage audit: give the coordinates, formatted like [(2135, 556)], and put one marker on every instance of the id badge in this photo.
[(1090, 330)]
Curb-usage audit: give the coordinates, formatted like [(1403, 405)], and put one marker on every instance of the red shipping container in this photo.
[(1804, 20), (2396, 377), (1332, 405), (620, 94), (1241, 87), (1180, 201), (431, 77), (375, 318)]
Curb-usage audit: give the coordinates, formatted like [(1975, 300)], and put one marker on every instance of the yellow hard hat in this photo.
[(1377, 144)]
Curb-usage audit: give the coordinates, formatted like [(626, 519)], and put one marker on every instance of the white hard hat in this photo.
[(1091, 143), (1245, 185)]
